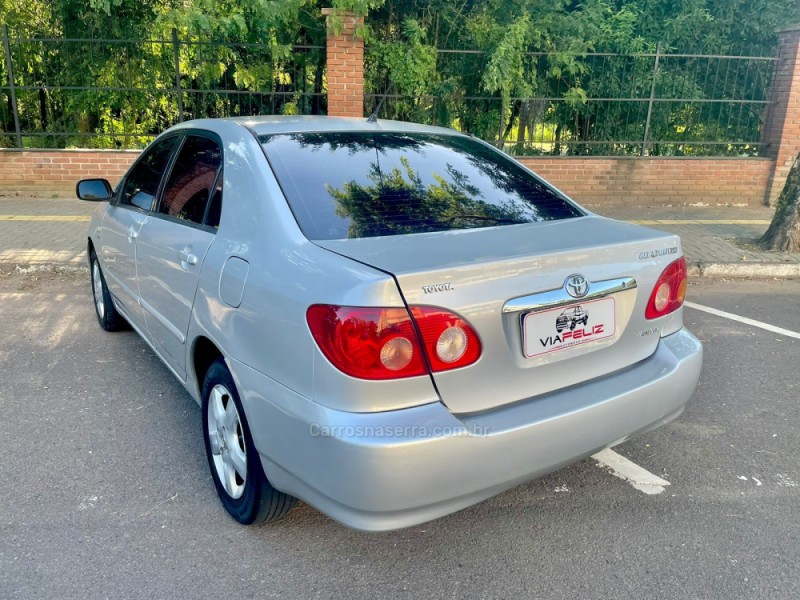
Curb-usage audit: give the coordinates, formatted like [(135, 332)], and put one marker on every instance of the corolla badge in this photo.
[(577, 286)]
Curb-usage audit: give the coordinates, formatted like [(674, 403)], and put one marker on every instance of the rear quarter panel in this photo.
[(287, 273)]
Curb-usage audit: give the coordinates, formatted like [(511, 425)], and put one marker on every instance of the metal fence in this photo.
[(120, 93), (652, 104)]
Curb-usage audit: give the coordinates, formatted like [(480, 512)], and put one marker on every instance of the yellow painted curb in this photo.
[(54, 218)]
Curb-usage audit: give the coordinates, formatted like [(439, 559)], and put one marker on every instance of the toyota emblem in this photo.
[(577, 286)]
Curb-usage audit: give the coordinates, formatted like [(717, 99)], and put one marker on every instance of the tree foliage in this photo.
[(527, 50), (536, 49)]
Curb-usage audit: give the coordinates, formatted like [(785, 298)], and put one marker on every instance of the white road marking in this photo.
[(745, 320), (641, 479)]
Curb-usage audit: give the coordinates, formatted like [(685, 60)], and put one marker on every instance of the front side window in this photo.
[(362, 184), (142, 183), (193, 177)]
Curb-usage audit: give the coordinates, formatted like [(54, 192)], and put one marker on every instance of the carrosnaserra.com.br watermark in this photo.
[(398, 431)]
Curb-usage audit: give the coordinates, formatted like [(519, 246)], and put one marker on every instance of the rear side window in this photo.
[(362, 184), (215, 207), (144, 178), (191, 182)]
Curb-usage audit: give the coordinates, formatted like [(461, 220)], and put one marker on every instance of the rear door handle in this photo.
[(187, 258), (132, 234)]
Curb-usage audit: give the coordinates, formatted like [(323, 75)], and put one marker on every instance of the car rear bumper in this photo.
[(381, 471)]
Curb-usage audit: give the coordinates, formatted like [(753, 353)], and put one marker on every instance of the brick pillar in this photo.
[(345, 61), (782, 128)]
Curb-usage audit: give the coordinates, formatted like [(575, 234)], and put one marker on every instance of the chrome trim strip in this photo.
[(558, 297)]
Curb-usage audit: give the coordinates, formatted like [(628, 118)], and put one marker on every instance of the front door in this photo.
[(173, 243), (123, 223)]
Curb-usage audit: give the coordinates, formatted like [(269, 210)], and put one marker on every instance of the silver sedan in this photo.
[(372, 314)]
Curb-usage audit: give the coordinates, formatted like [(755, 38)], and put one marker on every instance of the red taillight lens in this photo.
[(382, 343), (669, 291), (450, 342), (369, 343)]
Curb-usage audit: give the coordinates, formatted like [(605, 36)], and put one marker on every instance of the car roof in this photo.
[(270, 124)]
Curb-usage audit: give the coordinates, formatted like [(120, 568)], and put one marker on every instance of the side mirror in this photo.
[(94, 190)]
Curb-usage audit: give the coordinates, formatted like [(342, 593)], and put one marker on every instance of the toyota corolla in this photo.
[(368, 313)]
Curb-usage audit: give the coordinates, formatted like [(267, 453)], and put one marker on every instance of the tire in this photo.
[(107, 315), (251, 499)]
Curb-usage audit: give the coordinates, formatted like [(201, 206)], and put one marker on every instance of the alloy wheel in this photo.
[(226, 440), (97, 288)]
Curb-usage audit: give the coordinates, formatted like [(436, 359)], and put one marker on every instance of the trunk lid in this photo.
[(509, 284)]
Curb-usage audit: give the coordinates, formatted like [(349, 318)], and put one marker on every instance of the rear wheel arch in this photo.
[(204, 353), (233, 459)]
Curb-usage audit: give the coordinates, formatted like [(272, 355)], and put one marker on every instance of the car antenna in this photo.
[(373, 118)]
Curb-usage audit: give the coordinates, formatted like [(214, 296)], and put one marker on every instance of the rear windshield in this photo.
[(360, 184)]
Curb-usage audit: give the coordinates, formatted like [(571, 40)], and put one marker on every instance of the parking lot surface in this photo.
[(105, 490)]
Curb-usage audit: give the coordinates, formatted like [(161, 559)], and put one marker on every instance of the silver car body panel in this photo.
[(540, 413)]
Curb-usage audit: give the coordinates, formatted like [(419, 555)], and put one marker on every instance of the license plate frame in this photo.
[(535, 323)]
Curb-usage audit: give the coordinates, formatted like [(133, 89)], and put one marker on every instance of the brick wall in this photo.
[(782, 127), (34, 172), (636, 181), (657, 181), (345, 64)]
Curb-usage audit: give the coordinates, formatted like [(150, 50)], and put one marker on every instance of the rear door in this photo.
[(123, 222), (174, 241)]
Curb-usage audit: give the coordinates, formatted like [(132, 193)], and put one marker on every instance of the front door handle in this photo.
[(132, 234), (187, 258)]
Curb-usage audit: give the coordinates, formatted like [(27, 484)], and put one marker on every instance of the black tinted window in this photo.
[(142, 183), (188, 189), (215, 207), (355, 184)]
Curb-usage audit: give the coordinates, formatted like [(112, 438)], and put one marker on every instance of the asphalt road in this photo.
[(105, 491)]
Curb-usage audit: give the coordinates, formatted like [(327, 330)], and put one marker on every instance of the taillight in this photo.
[(369, 343), (382, 343), (450, 342), (669, 291)]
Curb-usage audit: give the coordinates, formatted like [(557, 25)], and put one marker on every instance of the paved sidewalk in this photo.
[(718, 241), (52, 230), (43, 230)]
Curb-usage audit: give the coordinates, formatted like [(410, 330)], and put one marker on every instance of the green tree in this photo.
[(525, 52), (507, 32)]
